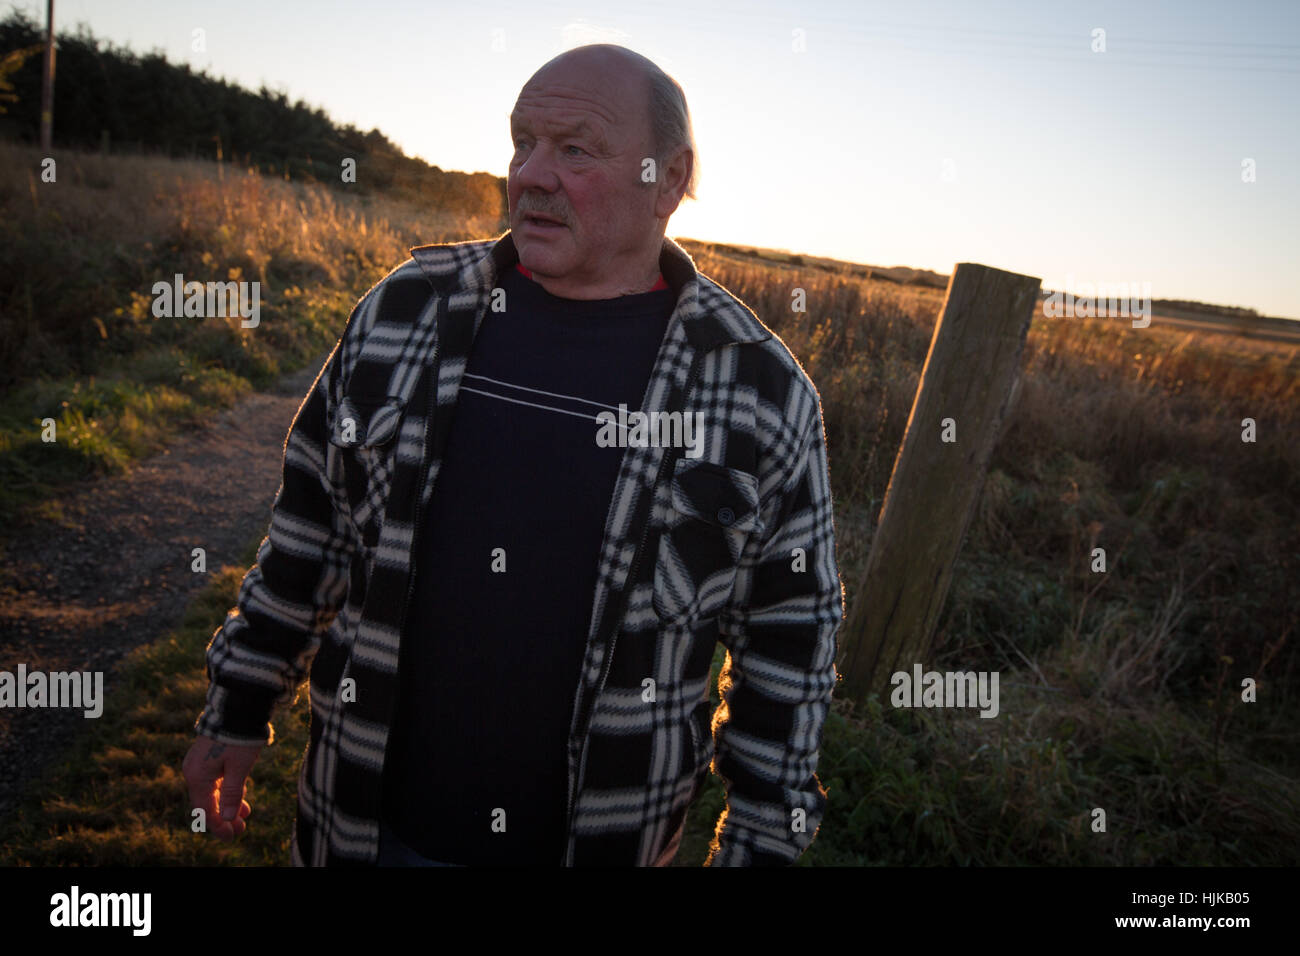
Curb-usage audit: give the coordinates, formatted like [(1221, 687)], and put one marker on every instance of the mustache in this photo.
[(527, 206)]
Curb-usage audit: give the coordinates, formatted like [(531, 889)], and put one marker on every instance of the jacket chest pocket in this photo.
[(712, 512), (365, 431)]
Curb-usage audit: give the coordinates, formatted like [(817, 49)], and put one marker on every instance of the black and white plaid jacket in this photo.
[(736, 545)]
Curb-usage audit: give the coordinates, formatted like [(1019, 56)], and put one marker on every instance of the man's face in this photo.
[(580, 131)]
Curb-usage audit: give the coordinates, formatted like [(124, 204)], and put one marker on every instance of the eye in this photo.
[(580, 150)]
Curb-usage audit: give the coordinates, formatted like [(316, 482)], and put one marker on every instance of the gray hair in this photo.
[(670, 123)]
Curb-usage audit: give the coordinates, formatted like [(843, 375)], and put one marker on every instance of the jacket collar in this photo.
[(710, 316)]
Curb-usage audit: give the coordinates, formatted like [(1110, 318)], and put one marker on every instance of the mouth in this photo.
[(538, 221)]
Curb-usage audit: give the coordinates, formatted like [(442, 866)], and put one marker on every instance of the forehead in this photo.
[(555, 122), (570, 107)]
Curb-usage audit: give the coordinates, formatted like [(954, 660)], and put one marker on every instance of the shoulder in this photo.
[(401, 296), (445, 263), (766, 361), (389, 300)]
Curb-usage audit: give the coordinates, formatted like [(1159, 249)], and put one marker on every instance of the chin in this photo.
[(535, 259)]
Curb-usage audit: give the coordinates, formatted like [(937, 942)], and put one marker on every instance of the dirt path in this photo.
[(117, 572)]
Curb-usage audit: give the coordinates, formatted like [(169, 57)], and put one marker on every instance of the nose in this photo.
[(538, 170)]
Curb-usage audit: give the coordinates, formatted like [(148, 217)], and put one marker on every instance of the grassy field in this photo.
[(1119, 691)]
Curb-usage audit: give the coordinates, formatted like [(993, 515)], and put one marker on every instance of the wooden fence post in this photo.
[(970, 378)]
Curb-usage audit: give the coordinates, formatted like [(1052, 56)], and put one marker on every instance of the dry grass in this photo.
[(78, 260), (1121, 690)]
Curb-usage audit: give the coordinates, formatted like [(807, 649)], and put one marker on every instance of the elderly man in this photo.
[(539, 479)]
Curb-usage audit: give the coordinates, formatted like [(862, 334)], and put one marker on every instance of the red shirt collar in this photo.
[(661, 284)]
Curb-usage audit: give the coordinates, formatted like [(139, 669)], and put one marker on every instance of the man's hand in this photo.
[(215, 770)]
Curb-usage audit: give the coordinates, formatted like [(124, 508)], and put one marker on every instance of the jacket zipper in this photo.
[(431, 407), (623, 597)]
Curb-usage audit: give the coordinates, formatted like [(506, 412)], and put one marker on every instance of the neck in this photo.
[(625, 278), (644, 280)]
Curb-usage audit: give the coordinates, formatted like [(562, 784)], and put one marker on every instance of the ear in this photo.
[(673, 177)]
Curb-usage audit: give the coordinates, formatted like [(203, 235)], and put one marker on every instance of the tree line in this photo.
[(107, 97)]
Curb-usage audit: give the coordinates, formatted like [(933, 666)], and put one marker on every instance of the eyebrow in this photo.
[(580, 128)]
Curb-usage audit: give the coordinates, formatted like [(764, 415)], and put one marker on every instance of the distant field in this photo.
[(1265, 329), (1205, 318)]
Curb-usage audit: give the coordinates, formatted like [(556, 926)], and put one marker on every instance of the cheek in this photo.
[(593, 203)]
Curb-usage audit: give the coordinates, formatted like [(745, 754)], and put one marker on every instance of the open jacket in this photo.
[(735, 545)]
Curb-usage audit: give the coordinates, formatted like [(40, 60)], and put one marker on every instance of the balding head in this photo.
[(668, 119), (599, 149), (597, 56)]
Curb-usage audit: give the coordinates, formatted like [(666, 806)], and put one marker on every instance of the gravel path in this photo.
[(116, 572)]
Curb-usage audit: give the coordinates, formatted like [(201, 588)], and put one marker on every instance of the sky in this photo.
[(1163, 150)]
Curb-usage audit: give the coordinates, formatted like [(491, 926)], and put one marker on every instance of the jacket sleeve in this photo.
[(260, 655), (779, 631)]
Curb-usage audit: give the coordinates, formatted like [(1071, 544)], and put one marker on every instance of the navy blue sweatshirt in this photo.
[(506, 563)]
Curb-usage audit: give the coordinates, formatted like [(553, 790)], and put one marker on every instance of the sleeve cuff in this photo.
[(236, 717)]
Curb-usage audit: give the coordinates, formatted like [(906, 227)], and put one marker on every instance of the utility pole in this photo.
[(47, 86)]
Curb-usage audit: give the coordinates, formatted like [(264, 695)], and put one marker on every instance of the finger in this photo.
[(219, 828), (238, 823), (202, 786), (232, 794), (205, 801)]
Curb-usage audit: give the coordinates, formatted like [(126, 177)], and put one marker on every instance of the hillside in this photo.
[(78, 261), (110, 99)]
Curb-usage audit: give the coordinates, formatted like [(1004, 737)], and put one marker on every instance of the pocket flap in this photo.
[(373, 421), (726, 497)]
